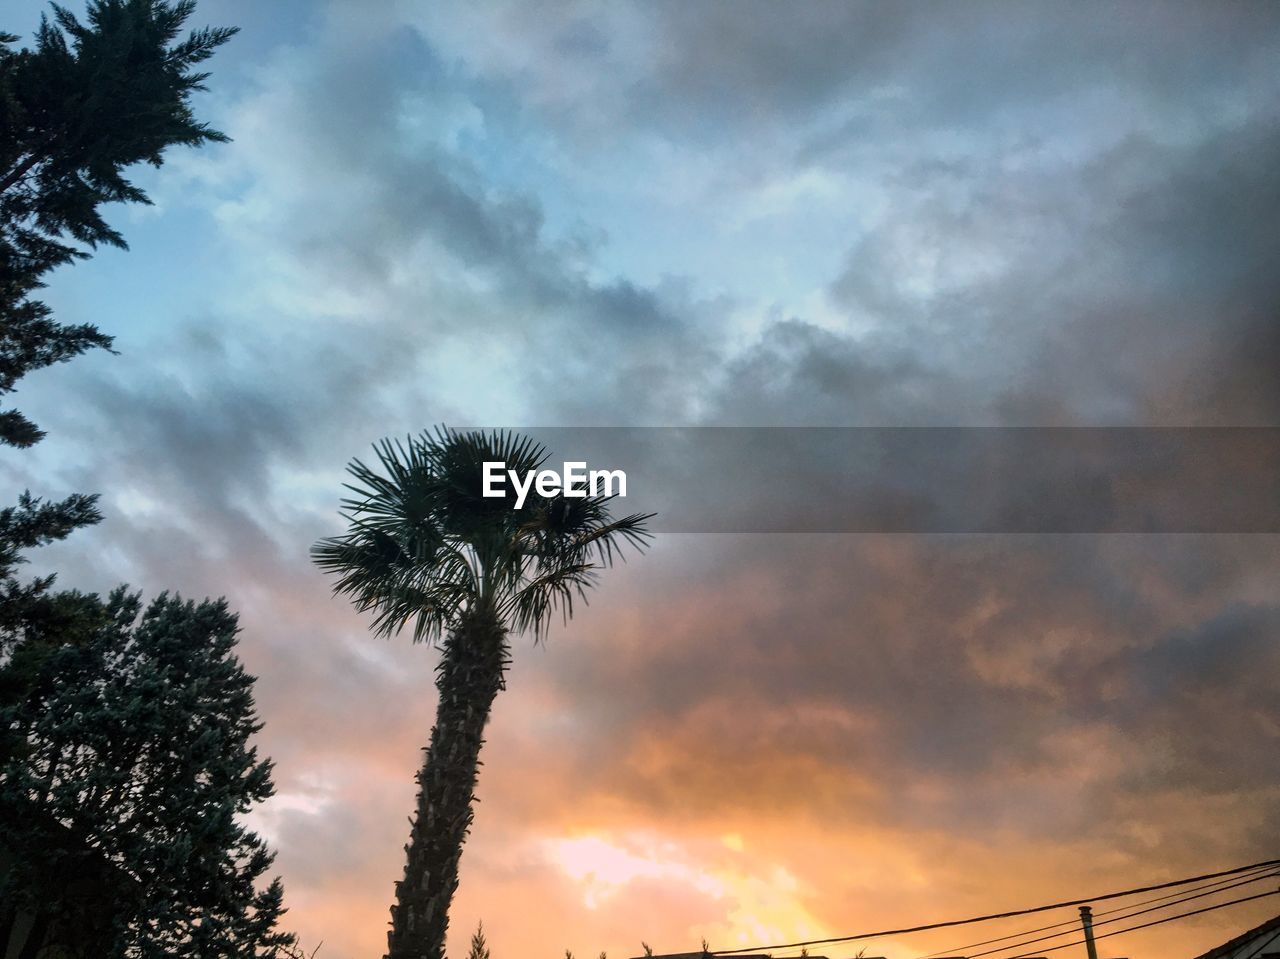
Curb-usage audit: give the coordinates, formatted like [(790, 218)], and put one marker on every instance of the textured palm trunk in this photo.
[(470, 673)]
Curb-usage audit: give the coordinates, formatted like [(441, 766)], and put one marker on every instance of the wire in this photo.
[(1197, 892), (1220, 885), (1132, 915), (1224, 883), (1002, 915), (986, 942), (1264, 871), (1154, 922)]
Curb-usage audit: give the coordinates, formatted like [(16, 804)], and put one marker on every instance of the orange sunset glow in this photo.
[(750, 765)]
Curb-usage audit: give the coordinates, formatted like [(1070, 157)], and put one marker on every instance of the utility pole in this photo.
[(1086, 920)]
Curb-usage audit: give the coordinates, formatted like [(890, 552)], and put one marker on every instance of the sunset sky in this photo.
[(746, 214)]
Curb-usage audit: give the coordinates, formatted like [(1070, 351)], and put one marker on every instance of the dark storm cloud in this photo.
[(801, 374), (1099, 264), (1137, 288), (1221, 670), (379, 201), (1002, 671), (406, 225), (760, 59), (816, 81), (195, 452), (800, 59)]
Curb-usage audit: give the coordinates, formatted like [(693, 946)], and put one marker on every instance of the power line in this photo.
[(1154, 922), (1132, 915), (1183, 895), (1220, 885), (986, 942), (1264, 871), (1001, 915)]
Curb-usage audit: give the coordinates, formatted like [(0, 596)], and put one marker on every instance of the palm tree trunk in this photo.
[(470, 673)]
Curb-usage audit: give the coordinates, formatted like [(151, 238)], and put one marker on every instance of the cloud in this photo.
[(745, 215)]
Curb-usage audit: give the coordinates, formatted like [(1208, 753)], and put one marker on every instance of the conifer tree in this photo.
[(85, 103), (125, 796), (125, 763), (479, 948)]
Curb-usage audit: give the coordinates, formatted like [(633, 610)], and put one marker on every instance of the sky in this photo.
[(732, 214)]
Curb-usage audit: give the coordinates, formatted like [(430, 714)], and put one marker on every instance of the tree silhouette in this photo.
[(124, 756), (426, 549), (479, 948), (134, 765), (88, 101)]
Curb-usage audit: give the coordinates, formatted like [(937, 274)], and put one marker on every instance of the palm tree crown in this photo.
[(426, 547)]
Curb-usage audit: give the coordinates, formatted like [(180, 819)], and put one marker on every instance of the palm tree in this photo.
[(426, 549)]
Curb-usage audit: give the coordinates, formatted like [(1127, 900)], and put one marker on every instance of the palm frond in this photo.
[(424, 546), (532, 607)]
